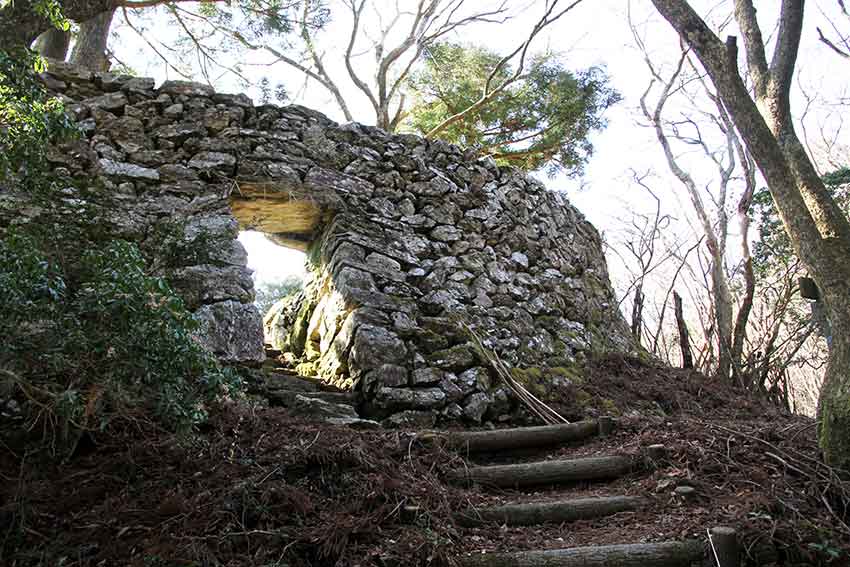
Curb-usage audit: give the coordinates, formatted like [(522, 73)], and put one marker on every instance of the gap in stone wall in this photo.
[(278, 271)]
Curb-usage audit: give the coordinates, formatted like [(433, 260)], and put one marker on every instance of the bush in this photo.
[(270, 293), (107, 343)]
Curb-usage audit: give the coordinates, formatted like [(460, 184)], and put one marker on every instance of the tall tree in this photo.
[(399, 41), (90, 48), (545, 118), (53, 43), (22, 21), (816, 226), (730, 160)]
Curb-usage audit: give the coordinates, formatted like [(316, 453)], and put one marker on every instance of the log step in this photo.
[(559, 511), (518, 438), (545, 472), (665, 554)]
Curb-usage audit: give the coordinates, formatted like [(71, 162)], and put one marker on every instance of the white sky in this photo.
[(596, 33)]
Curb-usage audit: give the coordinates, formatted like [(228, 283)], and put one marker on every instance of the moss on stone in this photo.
[(314, 253), (571, 373), (834, 430), (298, 333), (608, 407), (306, 369), (431, 341), (583, 398), (532, 379), (457, 358)]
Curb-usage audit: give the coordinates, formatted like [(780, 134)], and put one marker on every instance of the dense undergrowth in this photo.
[(90, 335)]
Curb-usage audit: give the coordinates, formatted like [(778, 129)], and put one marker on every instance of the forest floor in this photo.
[(259, 487)]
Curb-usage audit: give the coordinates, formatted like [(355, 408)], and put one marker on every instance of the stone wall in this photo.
[(405, 237)]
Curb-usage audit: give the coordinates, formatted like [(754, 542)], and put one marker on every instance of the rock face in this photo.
[(406, 239)]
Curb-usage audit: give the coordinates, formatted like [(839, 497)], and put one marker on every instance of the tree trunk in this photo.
[(90, 49), (684, 336), (637, 313), (20, 25), (820, 236), (723, 312), (834, 401), (53, 43)]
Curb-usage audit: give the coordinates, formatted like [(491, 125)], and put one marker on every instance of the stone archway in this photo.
[(407, 237)]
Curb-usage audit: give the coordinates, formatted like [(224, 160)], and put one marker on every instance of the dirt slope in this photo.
[(260, 487)]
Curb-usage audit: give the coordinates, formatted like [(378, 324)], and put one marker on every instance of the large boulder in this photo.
[(232, 330)]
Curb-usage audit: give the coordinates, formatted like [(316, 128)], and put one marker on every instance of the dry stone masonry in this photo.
[(406, 239)]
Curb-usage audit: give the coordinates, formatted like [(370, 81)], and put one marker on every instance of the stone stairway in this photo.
[(308, 396), (514, 460), (528, 472)]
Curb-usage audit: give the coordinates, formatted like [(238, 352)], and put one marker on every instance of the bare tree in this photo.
[(817, 228), (714, 222), (836, 39), (399, 42), (684, 335)]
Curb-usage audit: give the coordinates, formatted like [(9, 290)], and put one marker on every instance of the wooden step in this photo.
[(557, 511), (665, 554), (518, 438), (545, 472), (286, 398)]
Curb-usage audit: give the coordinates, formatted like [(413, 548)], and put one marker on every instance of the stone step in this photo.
[(289, 381), (664, 554), (545, 472), (310, 406), (516, 438), (555, 511), (283, 379), (286, 398)]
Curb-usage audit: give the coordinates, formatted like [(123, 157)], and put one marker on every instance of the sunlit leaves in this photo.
[(29, 117), (542, 120)]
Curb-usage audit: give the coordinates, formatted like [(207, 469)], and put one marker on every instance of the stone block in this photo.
[(233, 331)]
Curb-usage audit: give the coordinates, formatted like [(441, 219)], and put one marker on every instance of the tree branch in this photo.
[(488, 92), (745, 15), (787, 46)]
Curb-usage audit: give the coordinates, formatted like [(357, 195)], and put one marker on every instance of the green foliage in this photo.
[(543, 120), (28, 115), (269, 293), (51, 10), (89, 336), (773, 248), (107, 342)]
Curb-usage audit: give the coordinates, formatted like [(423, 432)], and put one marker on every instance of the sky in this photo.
[(596, 33)]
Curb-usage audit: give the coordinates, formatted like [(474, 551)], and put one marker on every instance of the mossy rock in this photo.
[(298, 333), (431, 341), (583, 398), (456, 358), (571, 373), (307, 369), (532, 379), (608, 407)]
